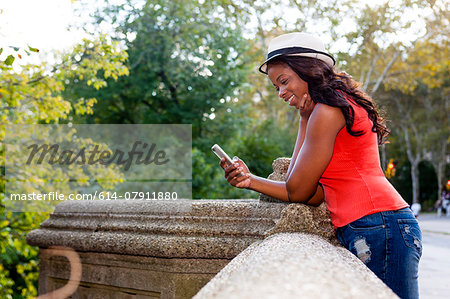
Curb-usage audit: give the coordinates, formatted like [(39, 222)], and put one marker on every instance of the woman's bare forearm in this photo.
[(298, 144), (268, 187), (278, 190)]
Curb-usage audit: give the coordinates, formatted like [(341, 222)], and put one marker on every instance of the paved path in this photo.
[(434, 267)]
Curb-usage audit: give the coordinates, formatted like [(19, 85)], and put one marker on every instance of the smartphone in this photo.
[(221, 154)]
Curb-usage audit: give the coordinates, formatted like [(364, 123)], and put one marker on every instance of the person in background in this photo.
[(438, 206), (444, 203), (416, 207)]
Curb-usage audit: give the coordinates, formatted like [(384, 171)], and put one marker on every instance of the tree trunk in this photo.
[(440, 177), (439, 161), (385, 71), (414, 159), (415, 181)]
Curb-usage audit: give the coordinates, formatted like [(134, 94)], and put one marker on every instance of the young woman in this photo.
[(336, 160)]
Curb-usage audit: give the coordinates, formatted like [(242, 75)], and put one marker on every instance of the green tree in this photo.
[(420, 101), (34, 96), (405, 76), (183, 59), (188, 63)]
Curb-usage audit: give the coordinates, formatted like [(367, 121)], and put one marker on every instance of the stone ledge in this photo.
[(295, 265), (171, 229), (306, 219)]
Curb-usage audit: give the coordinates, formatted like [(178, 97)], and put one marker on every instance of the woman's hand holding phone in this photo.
[(237, 174)]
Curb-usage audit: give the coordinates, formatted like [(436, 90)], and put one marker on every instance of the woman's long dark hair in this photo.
[(327, 87)]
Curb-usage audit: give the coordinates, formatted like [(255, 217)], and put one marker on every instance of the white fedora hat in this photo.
[(297, 44)]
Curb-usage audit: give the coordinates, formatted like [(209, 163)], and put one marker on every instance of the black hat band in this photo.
[(296, 50)]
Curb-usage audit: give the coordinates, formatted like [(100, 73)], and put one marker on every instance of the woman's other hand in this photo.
[(306, 106), (237, 174)]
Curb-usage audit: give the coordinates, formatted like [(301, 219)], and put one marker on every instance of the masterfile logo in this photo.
[(96, 162), (90, 157)]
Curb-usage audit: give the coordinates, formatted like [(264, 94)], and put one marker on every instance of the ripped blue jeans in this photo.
[(390, 244)]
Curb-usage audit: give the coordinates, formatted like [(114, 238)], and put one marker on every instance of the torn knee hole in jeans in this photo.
[(362, 250)]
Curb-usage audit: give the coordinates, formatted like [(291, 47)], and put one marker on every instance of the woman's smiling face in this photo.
[(289, 85)]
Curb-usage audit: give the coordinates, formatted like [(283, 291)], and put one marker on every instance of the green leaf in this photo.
[(33, 49), (1, 51), (9, 60)]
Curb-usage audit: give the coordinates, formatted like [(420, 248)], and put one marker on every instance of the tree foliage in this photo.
[(33, 95), (403, 64), (188, 61)]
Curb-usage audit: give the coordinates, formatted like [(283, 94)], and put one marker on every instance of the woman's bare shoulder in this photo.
[(327, 117)]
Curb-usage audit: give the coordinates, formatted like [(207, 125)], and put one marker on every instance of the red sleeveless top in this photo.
[(353, 182)]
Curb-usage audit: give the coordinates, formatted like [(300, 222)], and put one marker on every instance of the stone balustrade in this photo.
[(147, 249), (295, 265)]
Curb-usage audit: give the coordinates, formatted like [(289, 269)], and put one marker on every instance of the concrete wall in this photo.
[(295, 265), (149, 249)]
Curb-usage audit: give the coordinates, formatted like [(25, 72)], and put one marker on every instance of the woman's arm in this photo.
[(307, 105), (278, 190), (298, 144), (315, 155)]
